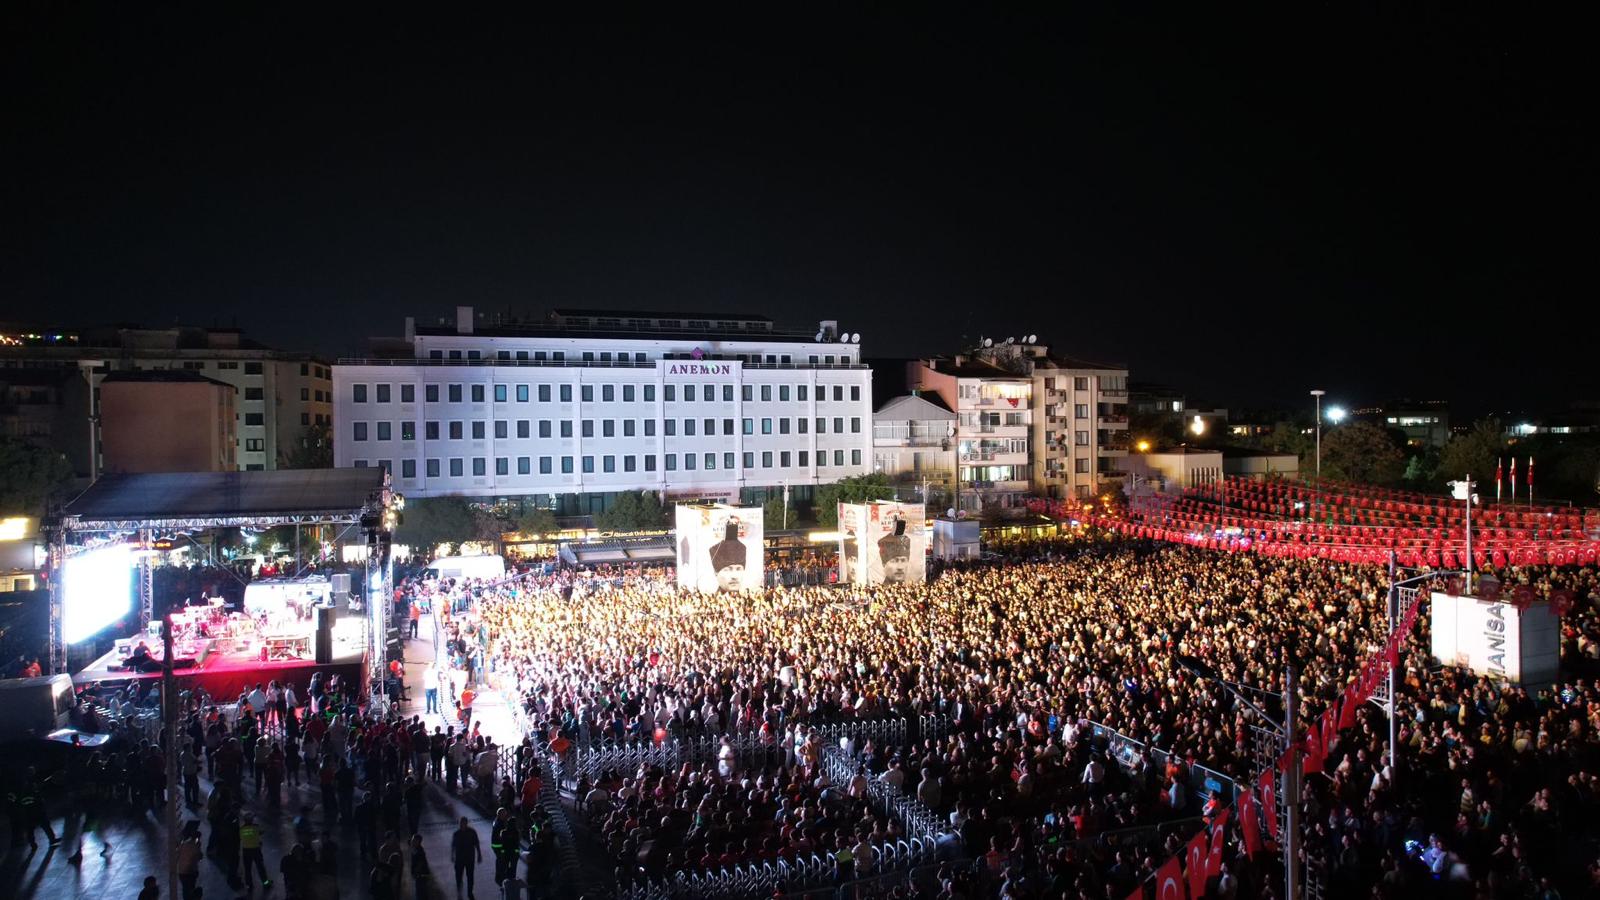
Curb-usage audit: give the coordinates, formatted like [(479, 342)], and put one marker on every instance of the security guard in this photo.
[(505, 844), (250, 846)]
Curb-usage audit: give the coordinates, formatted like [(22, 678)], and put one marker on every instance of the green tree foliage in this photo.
[(632, 511), (30, 477), (772, 515), (855, 489), (430, 521), (536, 521), (314, 449), (1473, 453), (1363, 453)]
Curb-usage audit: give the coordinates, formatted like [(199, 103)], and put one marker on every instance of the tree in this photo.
[(314, 450), (536, 521), (1473, 453), (855, 489), (772, 514), (30, 476), (1361, 452), (430, 521), (632, 511)]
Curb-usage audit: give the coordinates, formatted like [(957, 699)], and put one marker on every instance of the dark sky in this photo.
[(1375, 203)]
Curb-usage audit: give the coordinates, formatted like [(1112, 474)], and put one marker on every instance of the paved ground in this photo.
[(126, 846)]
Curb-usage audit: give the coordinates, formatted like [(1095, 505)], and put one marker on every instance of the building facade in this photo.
[(167, 421), (1080, 427), (281, 395), (993, 435), (914, 446), (582, 405)]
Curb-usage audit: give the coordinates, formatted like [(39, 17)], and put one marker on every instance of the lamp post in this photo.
[(1317, 489)]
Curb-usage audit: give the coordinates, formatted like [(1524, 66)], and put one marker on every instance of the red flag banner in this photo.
[(1169, 881), (1269, 802), (1195, 863), (1330, 728), (1249, 823), (1313, 761), (1219, 835), (1352, 700)]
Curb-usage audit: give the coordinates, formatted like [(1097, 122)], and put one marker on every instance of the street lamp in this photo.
[(1317, 488), (1336, 414)]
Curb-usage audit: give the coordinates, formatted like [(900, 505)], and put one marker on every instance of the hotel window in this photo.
[(587, 394), (710, 462), (669, 427), (800, 392), (783, 425), (454, 393), (801, 424), (855, 392), (627, 393), (803, 459), (430, 393), (838, 457), (502, 429), (727, 460), (499, 393), (747, 392), (766, 459), (783, 392), (727, 393), (749, 460), (433, 468), (544, 428), (727, 426), (566, 428), (766, 426), (608, 393), (455, 431), (708, 393), (669, 392), (436, 354), (522, 393), (608, 428), (588, 428), (838, 424), (408, 393), (456, 469), (408, 468), (524, 465), (688, 427), (669, 462), (557, 355), (545, 464), (838, 392), (383, 393), (408, 431), (766, 392), (566, 465), (855, 457), (749, 426), (383, 431), (588, 356), (649, 393), (649, 462), (502, 465), (566, 393), (358, 393), (480, 466), (709, 427), (688, 462), (627, 427), (649, 427), (474, 354), (478, 431), (431, 431), (855, 425), (522, 429), (544, 393), (783, 459), (608, 463), (822, 425)]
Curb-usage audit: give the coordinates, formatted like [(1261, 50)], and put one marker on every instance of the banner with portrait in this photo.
[(883, 542), (719, 547)]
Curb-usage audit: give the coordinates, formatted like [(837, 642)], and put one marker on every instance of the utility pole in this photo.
[(1317, 491), (1394, 621), (1291, 792), (169, 722)]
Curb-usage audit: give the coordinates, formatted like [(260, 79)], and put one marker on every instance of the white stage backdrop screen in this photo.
[(97, 590), (719, 548)]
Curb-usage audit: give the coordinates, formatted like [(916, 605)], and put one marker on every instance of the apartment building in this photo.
[(914, 446), (168, 421), (1030, 422), (578, 406), (280, 394)]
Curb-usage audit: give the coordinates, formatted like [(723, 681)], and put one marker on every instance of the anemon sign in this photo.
[(696, 368)]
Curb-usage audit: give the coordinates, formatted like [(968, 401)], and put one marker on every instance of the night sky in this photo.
[(1380, 204)]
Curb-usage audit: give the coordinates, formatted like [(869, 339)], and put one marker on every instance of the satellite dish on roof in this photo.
[(1011, 340), (1033, 339), (988, 342), (818, 337), (951, 512), (855, 338)]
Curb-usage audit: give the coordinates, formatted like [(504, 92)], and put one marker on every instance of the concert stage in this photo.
[(228, 668)]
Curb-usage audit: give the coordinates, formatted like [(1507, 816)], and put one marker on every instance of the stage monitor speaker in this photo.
[(341, 583), (324, 637), (326, 616)]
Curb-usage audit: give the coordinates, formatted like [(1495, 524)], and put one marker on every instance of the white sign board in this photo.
[(719, 547), (1496, 638)]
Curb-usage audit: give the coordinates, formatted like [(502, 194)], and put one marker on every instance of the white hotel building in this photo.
[(573, 409)]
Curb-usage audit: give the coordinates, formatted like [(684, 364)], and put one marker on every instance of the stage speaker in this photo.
[(324, 637), (341, 583), (326, 616)]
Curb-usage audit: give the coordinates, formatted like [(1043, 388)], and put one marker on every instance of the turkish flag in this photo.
[(1196, 855), (1352, 700), (1269, 802), (1138, 893), (1249, 823), (1330, 728), (1314, 754), (1169, 881), (1219, 834)]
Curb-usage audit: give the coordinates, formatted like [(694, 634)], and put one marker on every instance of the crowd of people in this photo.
[(1018, 656)]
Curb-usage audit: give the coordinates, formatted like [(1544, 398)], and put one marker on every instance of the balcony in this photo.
[(1113, 420), (1113, 392)]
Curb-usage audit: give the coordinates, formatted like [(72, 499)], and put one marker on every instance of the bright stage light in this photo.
[(97, 589), (1336, 414)]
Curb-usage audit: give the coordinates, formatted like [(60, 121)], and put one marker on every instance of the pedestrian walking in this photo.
[(466, 851), (250, 849)]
